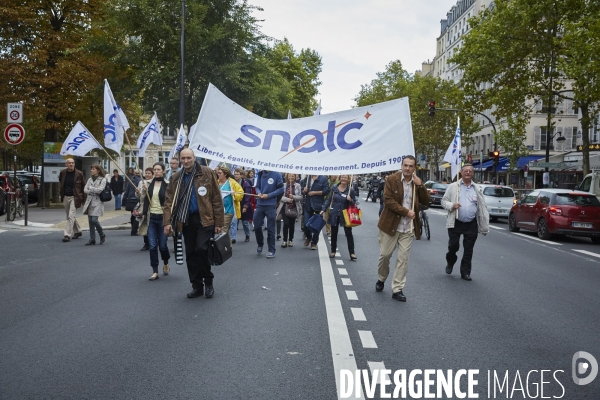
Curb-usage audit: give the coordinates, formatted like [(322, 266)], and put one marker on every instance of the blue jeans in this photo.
[(259, 215), (158, 240), (233, 227), (246, 225), (118, 203)]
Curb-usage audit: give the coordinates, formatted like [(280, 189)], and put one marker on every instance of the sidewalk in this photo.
[(54, 219)]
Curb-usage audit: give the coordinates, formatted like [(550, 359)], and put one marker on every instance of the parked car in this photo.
[(436, 192), (7, 183), (3, 199), (33, 182), (499, 200), (557, 211)]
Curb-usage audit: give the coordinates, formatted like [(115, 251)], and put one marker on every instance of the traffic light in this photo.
[(496, 155), (431, 108)]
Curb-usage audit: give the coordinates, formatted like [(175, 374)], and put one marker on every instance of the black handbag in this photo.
[(105, 194), (131, 203), (219, 249)]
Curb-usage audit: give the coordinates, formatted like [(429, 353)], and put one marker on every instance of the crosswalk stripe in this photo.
[(342, 271), (339, 262), (589, 253), (346, 282)]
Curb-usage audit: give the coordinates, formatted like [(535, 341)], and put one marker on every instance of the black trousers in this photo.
[(349, 237), (288, 228), (196, 238), (470, 231)]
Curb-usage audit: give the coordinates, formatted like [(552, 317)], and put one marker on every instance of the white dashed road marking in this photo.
[(2, 231), (589, 253), (36, 224), (358, 314), (367, 339), (497, 227), (351, 295), (342, 271), (339, 262), (339, 337), (346, 282), (37, 234), (538, 239)]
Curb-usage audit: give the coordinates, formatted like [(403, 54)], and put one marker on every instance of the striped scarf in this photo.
[(184, 196)]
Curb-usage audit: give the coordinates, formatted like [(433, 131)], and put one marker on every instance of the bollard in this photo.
[(26, 202), (8, 205)]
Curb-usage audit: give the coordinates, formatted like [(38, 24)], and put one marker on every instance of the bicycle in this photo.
[(424, 219), (16, 205)]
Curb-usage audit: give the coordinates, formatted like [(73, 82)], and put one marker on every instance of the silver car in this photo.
[(499, 200)]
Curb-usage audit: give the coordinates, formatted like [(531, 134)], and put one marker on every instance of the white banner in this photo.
[(150, 134), (454, 153), (115, 122), (79, 142), (361, 140)]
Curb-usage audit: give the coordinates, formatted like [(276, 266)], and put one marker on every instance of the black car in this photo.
[(33, 186), (436, 192), (3, 199)]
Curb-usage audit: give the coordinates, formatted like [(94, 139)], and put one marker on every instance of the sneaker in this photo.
[(306, 242), (284, 244), (259, 250), (290, 244), (247, 238), (313, 246), (270, 255), (166, 269)]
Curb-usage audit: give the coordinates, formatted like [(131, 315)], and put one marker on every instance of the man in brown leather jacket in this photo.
[(194, 205), (399, 222), (72, 183)]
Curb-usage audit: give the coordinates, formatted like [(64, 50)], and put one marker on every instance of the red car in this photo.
[(557, 211)]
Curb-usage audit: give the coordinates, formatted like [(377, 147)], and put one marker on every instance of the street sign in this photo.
[(591, 147), (14, 134), (546, 164), (14, 113)]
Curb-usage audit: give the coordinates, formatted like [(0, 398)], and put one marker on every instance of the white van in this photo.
[(590, 184)]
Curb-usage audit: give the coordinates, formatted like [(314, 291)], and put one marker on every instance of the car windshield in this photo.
[(498, 192), (569, 199), (25, 179), (439, 186)]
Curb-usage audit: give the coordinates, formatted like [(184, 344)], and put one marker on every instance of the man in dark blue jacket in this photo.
[(316, 189), (269, 185)]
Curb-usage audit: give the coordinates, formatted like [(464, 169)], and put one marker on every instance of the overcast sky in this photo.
[(356, 39)]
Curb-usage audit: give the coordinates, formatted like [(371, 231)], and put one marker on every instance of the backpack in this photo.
[(106, 195)]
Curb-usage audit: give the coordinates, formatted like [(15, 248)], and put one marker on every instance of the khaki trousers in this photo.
[(225, 229), (387, 245), (72, 225)]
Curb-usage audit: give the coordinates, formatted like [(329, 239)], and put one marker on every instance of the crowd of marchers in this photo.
[(194, 203)]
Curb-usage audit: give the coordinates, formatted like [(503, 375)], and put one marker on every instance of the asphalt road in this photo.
[(81, 322)]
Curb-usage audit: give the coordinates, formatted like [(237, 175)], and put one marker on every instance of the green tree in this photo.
[(432, 135), (224, 47), (527, 50)]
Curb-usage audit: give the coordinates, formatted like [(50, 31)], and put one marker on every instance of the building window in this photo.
[(543, 139), (132, 160)]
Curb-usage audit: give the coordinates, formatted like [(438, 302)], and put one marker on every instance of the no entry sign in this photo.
[(14, 134)]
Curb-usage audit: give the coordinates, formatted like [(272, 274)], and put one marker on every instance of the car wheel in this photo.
[(542, 230), (595, 239), (512, 223)]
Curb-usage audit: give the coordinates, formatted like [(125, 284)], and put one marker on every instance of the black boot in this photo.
[(90, 242)]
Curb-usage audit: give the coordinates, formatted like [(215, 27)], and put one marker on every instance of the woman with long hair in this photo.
[(94, 207), (290, 208), (247, 212), (152, 196), (142, 186), (232, 193), (341, 196)]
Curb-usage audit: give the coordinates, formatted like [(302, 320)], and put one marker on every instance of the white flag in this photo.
[(454, 153), (318, 110), (115, 122), (191, 132), (79, 142), (214, 164), (178, 146), (289, 114), (150, 134)]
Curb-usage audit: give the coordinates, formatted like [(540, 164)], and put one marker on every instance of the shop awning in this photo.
[(526, 159), (490, 164)]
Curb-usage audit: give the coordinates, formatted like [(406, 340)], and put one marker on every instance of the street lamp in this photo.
[(181, 89)]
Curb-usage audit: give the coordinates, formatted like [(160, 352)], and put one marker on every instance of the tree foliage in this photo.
[(526, 50), (432, 135), (223, 46)]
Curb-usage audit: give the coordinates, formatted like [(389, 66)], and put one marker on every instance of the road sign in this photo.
[(14, 113), (546, 164), (14, 134)]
